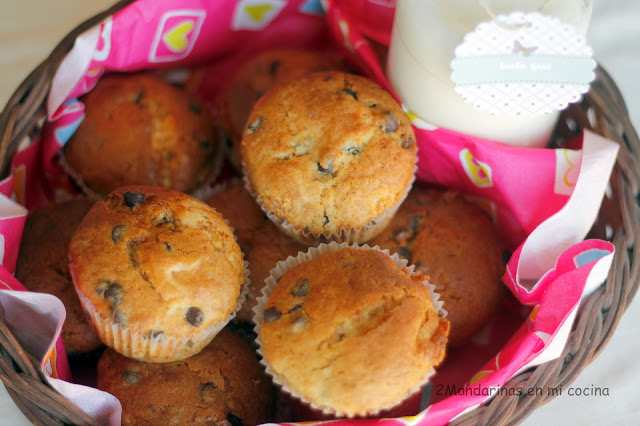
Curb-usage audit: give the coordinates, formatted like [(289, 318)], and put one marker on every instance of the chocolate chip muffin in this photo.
[(350, 332), (159, 272), (453, 242), (254, 78), (222, 385), (140, 130), (330, 156), (43, 266), (260, 240)]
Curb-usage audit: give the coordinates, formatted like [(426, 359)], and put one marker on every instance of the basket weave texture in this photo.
[(602, 110)]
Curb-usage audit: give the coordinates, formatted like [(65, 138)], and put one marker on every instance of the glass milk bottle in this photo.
[(424, 38)]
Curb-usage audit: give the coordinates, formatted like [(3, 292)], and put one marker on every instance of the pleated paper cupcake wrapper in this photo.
[(270, 283), (202, 192), (351, 235), (143, 346)]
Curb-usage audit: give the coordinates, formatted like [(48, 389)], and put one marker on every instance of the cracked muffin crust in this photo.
[(222, 385), (43, 266), (140, 130), (453, 242), (350, 333), (329, 152), (254, 78), (259, 239), (158, 271)]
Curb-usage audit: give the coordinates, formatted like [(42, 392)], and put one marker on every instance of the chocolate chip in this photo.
[(415, 223), (295, 308), (131, 377), (326, 220), (391, 125), (253, 126), (116, 233), (403, 252), (194, 316), (118, 317), (169, 248), (351, 93), (373, 105), (328, 169), (353, 150), (167, 218), (273, 67), (114, 294), (301, 288), (207, 392), (189, 343), (133, 199), (271, 314), (195, 107), (234, 420), (406, 143), (138, 97)]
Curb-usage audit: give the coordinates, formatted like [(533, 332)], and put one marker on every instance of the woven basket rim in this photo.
[(594, 326)]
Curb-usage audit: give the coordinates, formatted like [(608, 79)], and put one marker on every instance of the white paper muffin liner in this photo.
[(270, 283), (352, 235), (131, 342), (202, 192)]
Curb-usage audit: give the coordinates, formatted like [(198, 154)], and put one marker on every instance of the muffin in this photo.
[(260, 240), (453, 242), (43, 266), (140, 130), (254, 78), (224, 382), (329, 156), (350, 331), (158, 271)]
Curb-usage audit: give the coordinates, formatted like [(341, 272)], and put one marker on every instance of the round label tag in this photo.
[(523, 64)]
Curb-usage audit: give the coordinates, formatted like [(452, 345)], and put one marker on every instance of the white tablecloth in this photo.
[(29, 29)]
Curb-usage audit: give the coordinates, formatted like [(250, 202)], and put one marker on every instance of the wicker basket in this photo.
[(602, 110)]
